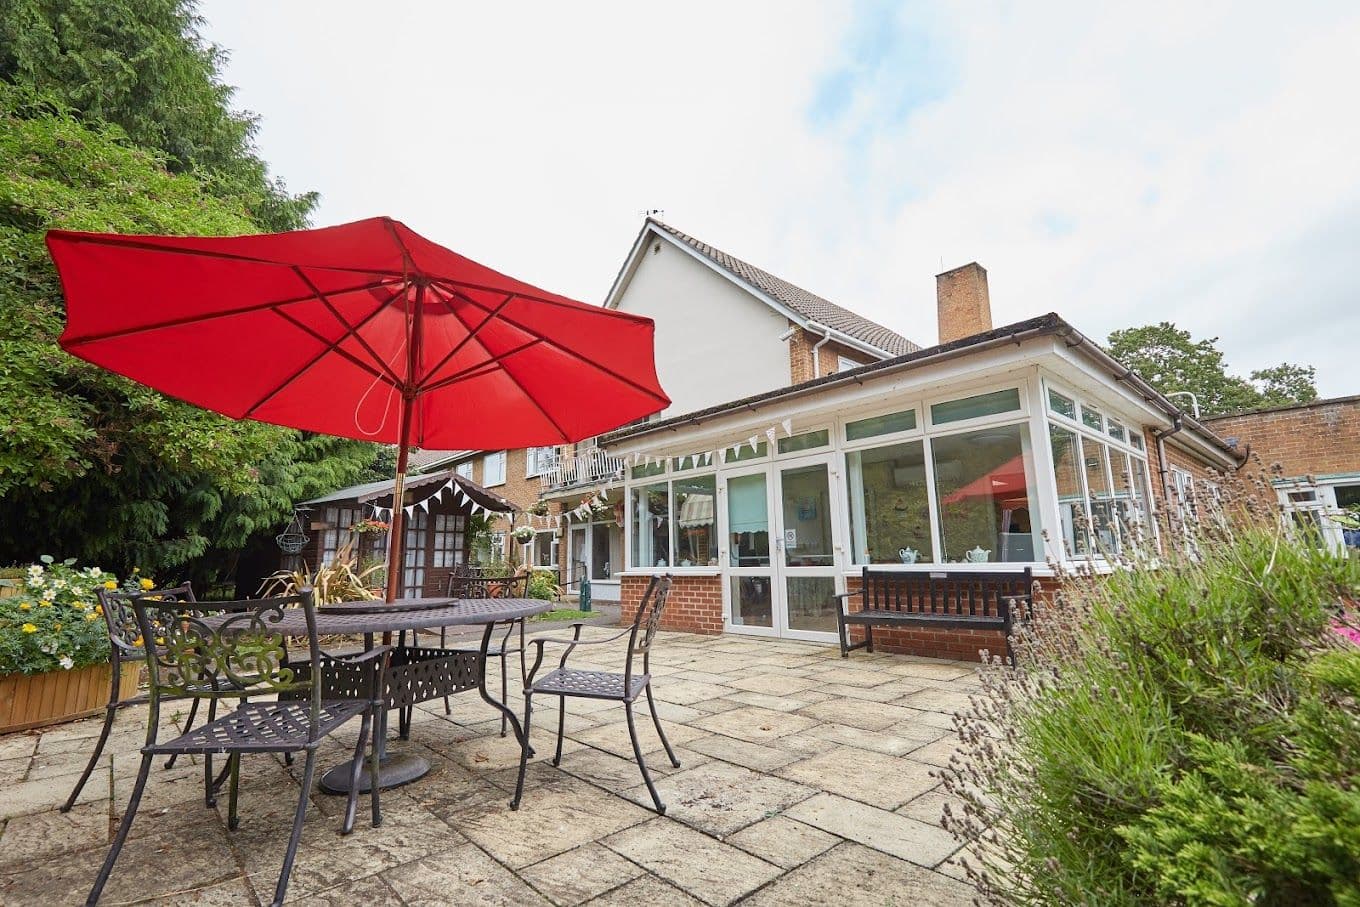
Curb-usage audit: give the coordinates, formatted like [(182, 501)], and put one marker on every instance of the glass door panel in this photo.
[(808, 580), (752, 605), (751, 578), (811, 603), (805, 497)]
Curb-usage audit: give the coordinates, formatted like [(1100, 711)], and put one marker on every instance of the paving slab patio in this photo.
[(804, 779)]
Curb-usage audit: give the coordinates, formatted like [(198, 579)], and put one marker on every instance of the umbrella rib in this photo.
[(322, 298), (575, 306), (345, 353), (481, 368), (194, 319), (333, 346), (472, 332), (133, 243), (568, 350)]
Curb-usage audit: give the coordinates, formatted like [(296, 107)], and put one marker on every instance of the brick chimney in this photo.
[(962, 301)]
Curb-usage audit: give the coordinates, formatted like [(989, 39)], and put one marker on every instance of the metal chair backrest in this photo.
[(120, 618), (467, 581), (214, 650), (647, 621)]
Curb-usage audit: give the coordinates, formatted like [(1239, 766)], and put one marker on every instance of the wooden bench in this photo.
[(951, 599)]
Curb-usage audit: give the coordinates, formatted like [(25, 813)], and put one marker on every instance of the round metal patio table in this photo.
[(371, 618)]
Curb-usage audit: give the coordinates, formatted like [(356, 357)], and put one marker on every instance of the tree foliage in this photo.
[(93, 465), (142, 65), (1171, 360)]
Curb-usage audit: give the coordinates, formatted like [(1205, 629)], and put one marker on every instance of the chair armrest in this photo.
[(847, 594), (539, 642)]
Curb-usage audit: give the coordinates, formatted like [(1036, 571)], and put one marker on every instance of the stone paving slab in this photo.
[(804, 779)]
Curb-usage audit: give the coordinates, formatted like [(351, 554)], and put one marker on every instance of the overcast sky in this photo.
[(1198, 163)]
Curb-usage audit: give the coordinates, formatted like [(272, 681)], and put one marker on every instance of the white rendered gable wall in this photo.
[(715, 342)]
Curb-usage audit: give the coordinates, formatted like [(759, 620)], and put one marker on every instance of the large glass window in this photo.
[(972, 407), (986, 508), (651, 526), (696, 536), (338, 522), (1071, 493), (889, 505), (1096, 463)]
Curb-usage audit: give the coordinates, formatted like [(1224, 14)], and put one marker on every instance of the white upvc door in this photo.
[(749, 531), (783, 548), (807, 546)]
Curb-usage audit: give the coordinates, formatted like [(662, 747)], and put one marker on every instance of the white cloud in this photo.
[(1190, 163)]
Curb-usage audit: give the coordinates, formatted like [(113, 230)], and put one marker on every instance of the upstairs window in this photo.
[(493, 469)]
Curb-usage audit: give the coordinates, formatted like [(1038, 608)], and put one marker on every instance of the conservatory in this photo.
[(985, 456)]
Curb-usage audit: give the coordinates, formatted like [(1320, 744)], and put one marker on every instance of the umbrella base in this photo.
[(394, 770)]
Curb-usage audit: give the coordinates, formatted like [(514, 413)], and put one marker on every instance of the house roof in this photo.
[(805, 305), (373, 491), (1050, 324), (421, 460)]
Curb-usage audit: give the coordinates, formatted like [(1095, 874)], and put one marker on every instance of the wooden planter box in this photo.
[(37, 700)]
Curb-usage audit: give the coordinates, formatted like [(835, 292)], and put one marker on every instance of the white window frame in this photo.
[(537, 460), (556, 537), (491, 479), (464, 469), (1102, 435)]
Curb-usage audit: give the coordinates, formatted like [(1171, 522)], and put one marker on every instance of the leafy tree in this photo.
[(1286, 383), (142, 64), (1171, 360), (93, 465)]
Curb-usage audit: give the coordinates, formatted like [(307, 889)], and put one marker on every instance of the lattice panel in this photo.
[(418, 675)]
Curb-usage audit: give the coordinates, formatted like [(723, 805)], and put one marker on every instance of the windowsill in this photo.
[(1039, 568), (678, 571)]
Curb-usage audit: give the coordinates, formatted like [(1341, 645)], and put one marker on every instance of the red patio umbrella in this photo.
[(364, 330)]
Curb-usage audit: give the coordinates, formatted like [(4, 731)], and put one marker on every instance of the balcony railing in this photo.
[(588, 466)]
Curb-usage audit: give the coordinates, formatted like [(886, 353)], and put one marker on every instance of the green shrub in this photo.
[(542, 585), (1184, 732)]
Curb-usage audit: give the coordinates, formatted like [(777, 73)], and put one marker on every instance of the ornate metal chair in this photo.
[(216, 650), (125, 644), (564, 682), (473, 582)]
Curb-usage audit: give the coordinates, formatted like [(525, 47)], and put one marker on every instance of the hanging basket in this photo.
[(293, 539), (524, 535)]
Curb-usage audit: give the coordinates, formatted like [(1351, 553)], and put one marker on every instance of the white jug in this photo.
[(908, 555), (978, 555)]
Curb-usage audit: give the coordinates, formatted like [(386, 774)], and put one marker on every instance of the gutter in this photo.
[(1163, 467), (817, 347)]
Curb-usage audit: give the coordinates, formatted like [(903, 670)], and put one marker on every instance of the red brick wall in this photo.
[(828, 356), (693, 606), (1315, 439)]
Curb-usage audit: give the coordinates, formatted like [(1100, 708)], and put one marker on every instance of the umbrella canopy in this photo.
[(1005, 483), (364, 330), (327, 330)]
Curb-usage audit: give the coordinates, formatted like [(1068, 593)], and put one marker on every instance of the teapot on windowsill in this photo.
[(908, 555), (978, 555)]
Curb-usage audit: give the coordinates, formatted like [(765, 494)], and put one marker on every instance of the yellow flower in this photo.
[(146, 583), (25, 606), (99, 610), (44, 604), (92, 616), (110, 585), (29, 628), (56, 626), (138, 640)]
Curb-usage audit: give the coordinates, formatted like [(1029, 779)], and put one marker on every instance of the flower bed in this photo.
[(54, 644)]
